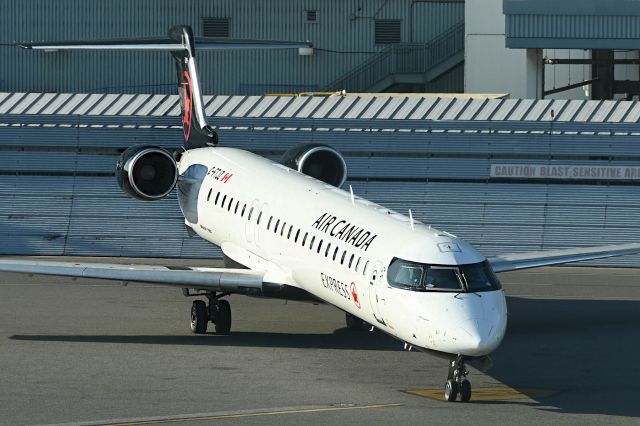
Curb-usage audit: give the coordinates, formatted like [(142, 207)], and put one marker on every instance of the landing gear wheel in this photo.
[(222, 318), (353, 322), (199, 317), (457, 380), (450, 390), (465, 390)]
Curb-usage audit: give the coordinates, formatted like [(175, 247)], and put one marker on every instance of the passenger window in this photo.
[(344, 254), (209, 195), (311, 243), (269, 223), (230, 204), (335, 253), (304, 240), (275, 228), (259, 216), (297, 235), (319, 246), (326, 252), (351, 260), (289, 233), (284, 225), (244, 207), (358, 264), (250, 213), (364, 270), (223, 200), (216, 200), (237, 205)]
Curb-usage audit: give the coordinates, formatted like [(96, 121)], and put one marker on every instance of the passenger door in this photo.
[(376, 291)]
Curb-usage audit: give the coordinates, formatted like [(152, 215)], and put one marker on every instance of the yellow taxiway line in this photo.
[(494, 393), (245, 415)]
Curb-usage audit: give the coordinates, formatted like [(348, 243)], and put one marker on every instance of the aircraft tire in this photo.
[(465, 391), (223, 317), (199, 317), (451, 390)]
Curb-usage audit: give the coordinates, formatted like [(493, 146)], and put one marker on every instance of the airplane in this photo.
[(288, 231)]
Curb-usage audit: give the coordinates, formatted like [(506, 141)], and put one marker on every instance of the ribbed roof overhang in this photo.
[(572, 24)]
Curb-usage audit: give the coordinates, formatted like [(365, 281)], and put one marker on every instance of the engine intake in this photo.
[(147, 173), (318, 161)]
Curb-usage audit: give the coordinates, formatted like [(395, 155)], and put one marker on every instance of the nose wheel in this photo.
[(457, 383)]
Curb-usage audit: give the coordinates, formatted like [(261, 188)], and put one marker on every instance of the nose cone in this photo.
[(465, 324), (479, 337)]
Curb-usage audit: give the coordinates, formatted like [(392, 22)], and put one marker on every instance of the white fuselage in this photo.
[(310, 235)]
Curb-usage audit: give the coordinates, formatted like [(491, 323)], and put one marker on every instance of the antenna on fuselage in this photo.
[(411, 220), (353, 198)]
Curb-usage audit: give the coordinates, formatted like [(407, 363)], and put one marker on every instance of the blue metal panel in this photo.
[(343, 36), (573, 31), (571, 7)]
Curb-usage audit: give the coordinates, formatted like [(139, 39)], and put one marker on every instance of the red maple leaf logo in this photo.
[(187, 99), (354, 294)]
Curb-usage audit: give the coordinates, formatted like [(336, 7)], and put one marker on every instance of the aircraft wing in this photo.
[(536, 259), (224, 280)]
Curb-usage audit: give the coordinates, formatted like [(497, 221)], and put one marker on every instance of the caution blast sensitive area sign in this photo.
[(541, 171)]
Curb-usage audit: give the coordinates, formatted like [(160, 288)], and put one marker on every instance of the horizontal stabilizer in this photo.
[(182, 45), (163, 43)]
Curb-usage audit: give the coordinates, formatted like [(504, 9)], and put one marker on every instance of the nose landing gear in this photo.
[(457, 382)]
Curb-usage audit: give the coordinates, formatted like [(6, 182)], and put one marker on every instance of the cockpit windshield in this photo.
[(422, 277)]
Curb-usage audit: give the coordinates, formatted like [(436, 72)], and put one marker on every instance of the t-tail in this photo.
[(182, 44), (197, 133)]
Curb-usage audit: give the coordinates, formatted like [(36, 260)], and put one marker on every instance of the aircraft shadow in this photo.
[(585, 350), (340, 339)]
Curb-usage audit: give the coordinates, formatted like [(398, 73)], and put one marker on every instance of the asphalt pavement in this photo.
[(96, 352)]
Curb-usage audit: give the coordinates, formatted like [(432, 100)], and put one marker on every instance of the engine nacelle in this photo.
[(146, 172), (319, 161)]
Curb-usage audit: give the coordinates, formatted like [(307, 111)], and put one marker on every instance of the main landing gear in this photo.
[(354, 323), (457, 383), (218, 311)]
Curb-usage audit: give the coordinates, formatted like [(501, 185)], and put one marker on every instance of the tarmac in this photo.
[(96, 352)]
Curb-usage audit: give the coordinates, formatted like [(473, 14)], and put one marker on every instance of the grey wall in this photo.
[(343, 34)]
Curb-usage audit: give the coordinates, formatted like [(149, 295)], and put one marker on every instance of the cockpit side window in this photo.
[(405, 274), (409, 275)]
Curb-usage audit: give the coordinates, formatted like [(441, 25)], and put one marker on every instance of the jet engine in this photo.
[(319, 161), (146, 172)]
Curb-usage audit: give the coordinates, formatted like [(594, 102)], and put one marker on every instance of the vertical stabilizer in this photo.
[(197, 133)]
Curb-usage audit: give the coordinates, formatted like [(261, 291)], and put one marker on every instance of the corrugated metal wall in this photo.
[(572, 24), (58, 195), (342, 26)]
